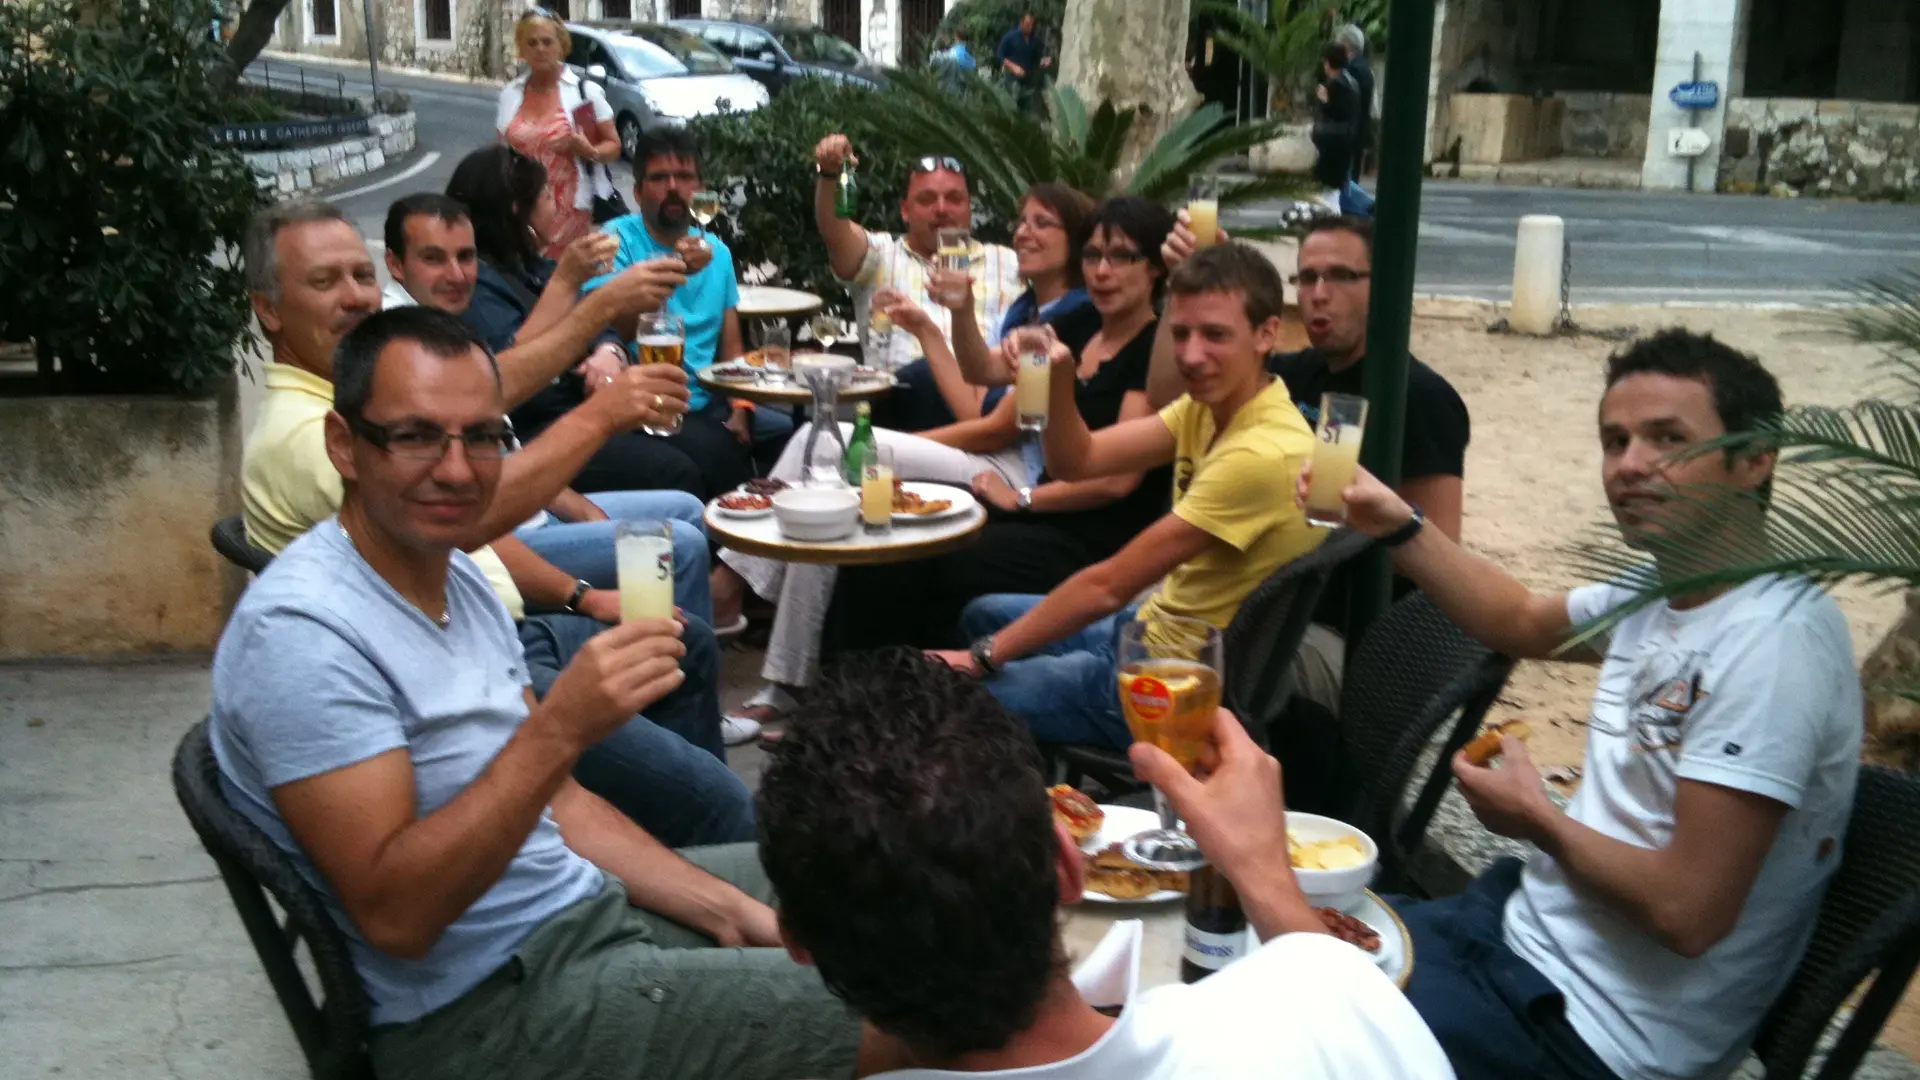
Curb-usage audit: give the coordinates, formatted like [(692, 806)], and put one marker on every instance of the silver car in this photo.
[(658, 75)]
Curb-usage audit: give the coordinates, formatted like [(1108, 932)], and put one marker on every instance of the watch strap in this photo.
[(1407, 531), (1024, 498), (580, 589), (982, 652)]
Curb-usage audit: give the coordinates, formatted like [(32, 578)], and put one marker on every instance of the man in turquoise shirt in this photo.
[(717, 435)]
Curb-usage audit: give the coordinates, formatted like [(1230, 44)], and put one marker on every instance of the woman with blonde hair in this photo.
[(562, 121)]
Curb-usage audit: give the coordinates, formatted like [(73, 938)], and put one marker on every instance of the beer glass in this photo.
[(876, 488), (643, 559), (1203, 210), (1336, 454), (952, 255), (776, 344), (879, 351), (1033, 383), (663, 340), (1170, 670)]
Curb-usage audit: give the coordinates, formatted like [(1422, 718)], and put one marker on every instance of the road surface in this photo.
[(1628, 246)]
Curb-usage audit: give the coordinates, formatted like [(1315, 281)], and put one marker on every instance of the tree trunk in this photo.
[(1893, 722), (1130, 52), (249, 37)]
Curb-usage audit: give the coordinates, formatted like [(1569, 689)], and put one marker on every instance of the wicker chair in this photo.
[(230, 540), (1412, 673), (333, 1031), (1869, 925), (1258, 652)]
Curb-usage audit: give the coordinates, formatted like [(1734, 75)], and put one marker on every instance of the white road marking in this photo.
[(411, 171), (1761, 239)]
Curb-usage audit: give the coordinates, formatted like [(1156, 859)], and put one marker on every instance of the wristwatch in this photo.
[(1407, 531), (580, 589), (1023, 500), (982, 651)]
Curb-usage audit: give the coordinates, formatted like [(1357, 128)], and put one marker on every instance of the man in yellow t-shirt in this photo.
[(1237, 444)]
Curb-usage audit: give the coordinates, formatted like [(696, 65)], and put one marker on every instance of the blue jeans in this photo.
[(1495, 1015), (666, 770), (585, 549), (1068, 692)]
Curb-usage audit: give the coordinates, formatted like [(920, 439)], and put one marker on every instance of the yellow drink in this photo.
[(645, 566), (1206, 221), (658, 349), (876, 496), (1033, 390), (1171, 704), (1336, 454)]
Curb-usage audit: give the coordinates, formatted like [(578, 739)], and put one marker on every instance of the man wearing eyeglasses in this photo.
[(1334, 280), (872, 262)]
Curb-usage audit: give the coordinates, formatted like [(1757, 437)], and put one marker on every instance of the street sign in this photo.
[(1688, 142), (1696, 95)]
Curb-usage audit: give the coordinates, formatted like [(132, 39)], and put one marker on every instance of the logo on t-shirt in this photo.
[(1666, 688), (1182, 477)]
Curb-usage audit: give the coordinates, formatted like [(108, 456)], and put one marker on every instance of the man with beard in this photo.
[(717, 434), (1666, 906)]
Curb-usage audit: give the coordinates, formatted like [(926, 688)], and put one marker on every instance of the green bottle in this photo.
[(862, 438), (846, 200)]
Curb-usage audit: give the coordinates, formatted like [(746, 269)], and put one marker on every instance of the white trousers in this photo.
[(803, 591)]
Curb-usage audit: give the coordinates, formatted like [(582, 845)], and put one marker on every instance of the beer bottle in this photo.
[(862, 438), (846, 200), (1216, 927)]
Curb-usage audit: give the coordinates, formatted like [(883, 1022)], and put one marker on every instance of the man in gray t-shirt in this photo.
[(372, 714)]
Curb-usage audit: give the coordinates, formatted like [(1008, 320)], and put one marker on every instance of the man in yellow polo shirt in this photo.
[(1235, 440)]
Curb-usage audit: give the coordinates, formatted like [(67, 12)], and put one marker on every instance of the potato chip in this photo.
[(1340, 853)]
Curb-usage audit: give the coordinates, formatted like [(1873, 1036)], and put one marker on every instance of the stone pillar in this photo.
[(1717, 30), (1130, 52)]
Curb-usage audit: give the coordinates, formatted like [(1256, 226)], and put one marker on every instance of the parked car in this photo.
[(777, 51), (656, 74)]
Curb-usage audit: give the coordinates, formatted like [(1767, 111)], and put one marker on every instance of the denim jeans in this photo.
[(666, 770), (1069, 691), (585, 549)]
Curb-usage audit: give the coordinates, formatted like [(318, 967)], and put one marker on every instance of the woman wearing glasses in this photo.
[(1040, 534), (552, 115)]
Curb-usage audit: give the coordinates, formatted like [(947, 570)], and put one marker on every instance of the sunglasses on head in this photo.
[(937, 162), (538, 12)]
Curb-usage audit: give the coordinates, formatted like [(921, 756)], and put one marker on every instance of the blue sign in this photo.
[(1696, 95)]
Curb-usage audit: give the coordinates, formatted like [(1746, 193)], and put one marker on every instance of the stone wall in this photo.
[(1792, 146), (1604, 125), (103, 531), (284, 172)]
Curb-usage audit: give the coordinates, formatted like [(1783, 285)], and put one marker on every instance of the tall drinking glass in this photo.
[(952, 254), (1203, 208), (1033, 383), (1336, 454), (876, 488), (643, 558), (1170, 671), (663, 340), (776, 344), (879, 351)]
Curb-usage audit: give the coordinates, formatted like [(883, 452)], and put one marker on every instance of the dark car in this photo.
[(777, 51)]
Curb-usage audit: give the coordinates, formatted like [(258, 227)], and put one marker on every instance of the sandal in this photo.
[(768, 705)]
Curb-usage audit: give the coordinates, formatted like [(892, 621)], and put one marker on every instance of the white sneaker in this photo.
[(735, 730)]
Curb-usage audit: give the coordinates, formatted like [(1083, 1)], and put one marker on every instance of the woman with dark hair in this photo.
[(519, 294)]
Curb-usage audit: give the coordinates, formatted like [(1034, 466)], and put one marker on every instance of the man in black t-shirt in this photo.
[(1335, 268)]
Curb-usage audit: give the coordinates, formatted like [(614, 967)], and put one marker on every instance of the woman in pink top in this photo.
[(553, 116)]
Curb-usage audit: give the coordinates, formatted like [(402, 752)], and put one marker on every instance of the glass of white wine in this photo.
[(826, 330), (705, 206)]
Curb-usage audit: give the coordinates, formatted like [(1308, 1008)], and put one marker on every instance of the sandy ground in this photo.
[(1533, 467)]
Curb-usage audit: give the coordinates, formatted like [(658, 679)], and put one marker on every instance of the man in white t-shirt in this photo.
[(906, 826), (1671, 900)]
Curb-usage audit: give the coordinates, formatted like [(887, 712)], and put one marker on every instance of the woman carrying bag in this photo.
[(564, 122)]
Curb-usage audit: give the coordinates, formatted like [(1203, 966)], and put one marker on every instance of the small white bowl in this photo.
[(839, 368), (817, 513), (1333, 888)]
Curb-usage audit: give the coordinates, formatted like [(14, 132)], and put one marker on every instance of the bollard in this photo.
[(1538, 259)]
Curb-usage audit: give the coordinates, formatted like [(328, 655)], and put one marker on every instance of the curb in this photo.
[(283, 172)]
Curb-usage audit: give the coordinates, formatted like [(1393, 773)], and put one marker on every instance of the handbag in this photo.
[(608, 207)]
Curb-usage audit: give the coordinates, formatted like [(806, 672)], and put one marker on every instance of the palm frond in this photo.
[(1887, 315)]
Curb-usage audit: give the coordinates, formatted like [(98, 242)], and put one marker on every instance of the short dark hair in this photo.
[(1144, 221), (500, 187), (1336, 54), (663, 140), (439, 333), (1074, 208), (420, 203), (1232, 267), (905, 824), (1745, 393), (1346, 223)]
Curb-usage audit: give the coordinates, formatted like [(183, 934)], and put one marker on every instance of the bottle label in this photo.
[(1150, 697), (1213, 951)]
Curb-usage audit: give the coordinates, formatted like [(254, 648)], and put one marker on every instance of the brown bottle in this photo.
[(1216, 927)]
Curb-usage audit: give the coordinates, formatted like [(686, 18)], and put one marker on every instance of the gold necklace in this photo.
[(442, 620)]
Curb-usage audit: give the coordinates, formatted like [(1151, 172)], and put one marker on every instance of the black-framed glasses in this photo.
[(417, 442), (936, 162), (1339, 275), (1091, 256)]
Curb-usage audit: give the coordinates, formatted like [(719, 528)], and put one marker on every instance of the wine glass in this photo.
[(826, 330), (1169, 674), (705, 206)]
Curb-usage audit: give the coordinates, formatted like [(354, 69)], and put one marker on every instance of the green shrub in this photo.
[(119, 219)]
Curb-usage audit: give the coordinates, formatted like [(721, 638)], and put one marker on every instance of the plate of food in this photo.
[(764, 485), (1374, 929), (744, 505), (733, 371), (1112, 878), (917, 501)]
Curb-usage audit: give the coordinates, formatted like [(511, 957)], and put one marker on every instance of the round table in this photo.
[(788, 391), (761, 536), (776, 302)]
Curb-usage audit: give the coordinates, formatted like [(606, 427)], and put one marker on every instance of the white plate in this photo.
[(764, 300), (1122, 822), (961, 498), (1394, 956), (742, 515)]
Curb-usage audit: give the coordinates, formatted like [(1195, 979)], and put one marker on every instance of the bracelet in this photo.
[(1407, 531)]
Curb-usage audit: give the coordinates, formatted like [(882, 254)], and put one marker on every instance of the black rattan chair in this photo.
[(1412, 672), (332, 1031), (1869, 925), (230, 540), (1258, 653)]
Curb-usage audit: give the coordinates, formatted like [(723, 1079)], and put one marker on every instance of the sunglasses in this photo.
[(936, 162), (537, 12)]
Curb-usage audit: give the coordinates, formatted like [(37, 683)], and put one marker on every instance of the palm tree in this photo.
[(1007, 149), (1285, 46), (1846, 505)]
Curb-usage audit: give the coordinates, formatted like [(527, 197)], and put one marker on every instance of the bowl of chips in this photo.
[(1333, 860)]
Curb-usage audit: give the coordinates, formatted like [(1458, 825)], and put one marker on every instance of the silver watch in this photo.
[(1024, 500)]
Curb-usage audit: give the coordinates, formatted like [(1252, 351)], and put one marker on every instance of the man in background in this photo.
[(1355, 40), (1023, 60)]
